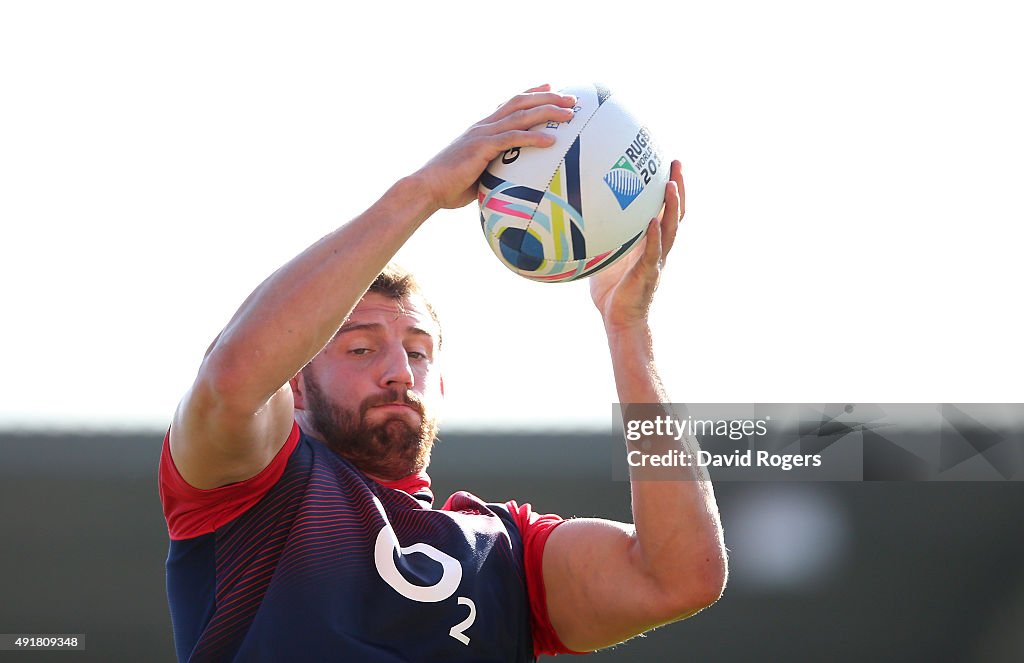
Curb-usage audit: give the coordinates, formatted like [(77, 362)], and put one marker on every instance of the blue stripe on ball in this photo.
[(521, 249)]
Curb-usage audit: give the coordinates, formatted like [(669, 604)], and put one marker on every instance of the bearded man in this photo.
[(293, 476)]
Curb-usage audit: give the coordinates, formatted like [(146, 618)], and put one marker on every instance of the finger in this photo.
[(526, 118), (670, 218), (546, 87), (677, 177), (648, 262), (506, 140), (540, 88), (529, 100)]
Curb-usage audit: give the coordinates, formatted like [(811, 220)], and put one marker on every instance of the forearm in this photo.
[(293, 314), (678, 539)]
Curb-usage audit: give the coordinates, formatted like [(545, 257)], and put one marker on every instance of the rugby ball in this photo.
[(567, 211)]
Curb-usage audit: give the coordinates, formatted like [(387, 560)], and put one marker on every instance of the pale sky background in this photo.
[(854, 177)]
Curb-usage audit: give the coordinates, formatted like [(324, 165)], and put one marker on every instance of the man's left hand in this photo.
[(623, 292)]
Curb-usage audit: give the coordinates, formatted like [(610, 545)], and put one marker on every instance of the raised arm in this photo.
[(239, 410), (608, 581)]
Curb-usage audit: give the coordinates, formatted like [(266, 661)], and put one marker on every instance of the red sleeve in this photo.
[(191, 512), (535, 529)]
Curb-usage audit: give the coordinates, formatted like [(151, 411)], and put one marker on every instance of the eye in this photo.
[(359, 352), (415, 354)]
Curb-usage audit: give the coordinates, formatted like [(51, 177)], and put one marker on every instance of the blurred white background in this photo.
[(853, 178)]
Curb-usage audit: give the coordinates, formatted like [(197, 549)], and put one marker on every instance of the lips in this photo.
[(393, 400), (396, 409), (390, 406)]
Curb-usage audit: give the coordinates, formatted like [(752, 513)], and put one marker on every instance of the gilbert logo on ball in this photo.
[(567, 211)]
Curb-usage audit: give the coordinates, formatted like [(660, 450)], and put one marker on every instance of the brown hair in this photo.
[(395, 282)]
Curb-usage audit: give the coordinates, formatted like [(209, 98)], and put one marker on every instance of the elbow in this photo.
[(220, 387), (712, 572), (693, 585), (219, 374)]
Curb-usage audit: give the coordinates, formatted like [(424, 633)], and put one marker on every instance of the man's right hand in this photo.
[(450, 178)]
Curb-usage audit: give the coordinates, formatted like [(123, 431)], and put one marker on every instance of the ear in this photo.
[(298, 385)]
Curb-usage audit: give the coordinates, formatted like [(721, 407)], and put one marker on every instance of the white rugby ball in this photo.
[(564, 212)]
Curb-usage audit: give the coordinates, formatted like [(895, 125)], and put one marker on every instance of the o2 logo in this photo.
[(384, 553)]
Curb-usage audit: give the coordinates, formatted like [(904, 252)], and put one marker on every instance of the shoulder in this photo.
[(191, 511), (532, 528)]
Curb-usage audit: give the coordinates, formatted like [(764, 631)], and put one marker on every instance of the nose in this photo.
[(397, 371)]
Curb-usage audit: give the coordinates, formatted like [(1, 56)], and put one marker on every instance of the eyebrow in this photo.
[(376, 326)]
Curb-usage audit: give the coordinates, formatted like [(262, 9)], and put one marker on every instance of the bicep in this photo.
[(597, 592), (213, 445)]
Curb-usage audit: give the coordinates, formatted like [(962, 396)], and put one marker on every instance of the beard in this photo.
[(391, 449)]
